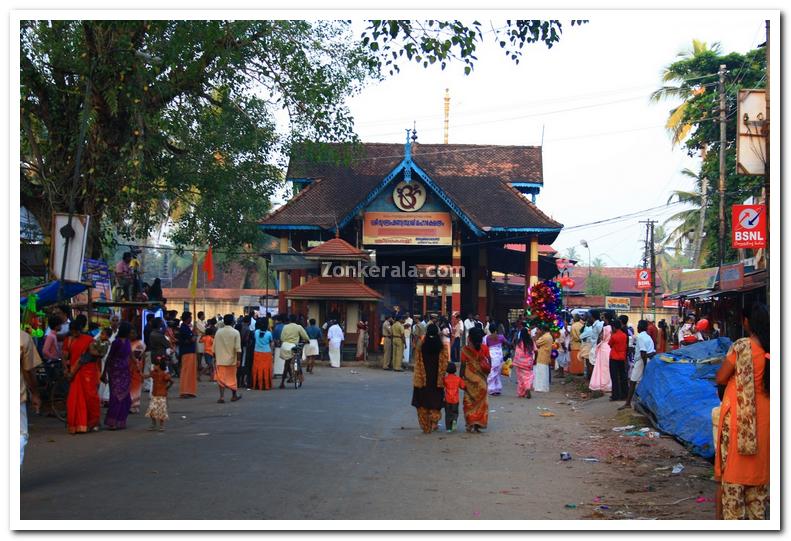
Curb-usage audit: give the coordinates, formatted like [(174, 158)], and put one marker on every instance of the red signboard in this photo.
[(643, 279), (749, 226)]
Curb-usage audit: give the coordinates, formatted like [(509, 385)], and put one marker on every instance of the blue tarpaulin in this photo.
[(49, 293), (679, 392)]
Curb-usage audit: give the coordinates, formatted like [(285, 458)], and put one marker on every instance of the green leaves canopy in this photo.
[(181, 125)]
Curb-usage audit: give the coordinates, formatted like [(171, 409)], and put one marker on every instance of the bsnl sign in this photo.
[(749, 226)]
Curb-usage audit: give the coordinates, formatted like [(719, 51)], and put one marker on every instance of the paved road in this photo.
[(347, 445)]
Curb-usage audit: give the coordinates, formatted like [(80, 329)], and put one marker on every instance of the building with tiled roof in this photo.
[(417, 206)]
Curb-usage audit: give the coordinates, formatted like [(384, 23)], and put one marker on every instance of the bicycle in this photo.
[(53, 388), (296, 367)]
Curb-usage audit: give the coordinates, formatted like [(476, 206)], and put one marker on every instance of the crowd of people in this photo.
[(112, 367), (613, 357)]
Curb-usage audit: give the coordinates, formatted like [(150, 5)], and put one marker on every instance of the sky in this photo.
[(605, 149)]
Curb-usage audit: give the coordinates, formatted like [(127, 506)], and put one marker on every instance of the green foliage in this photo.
[(696, 76), (597, 263), (181, 125), (597, 284), (430, 42)]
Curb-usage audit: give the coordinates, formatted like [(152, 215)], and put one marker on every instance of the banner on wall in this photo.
[(415, 228)]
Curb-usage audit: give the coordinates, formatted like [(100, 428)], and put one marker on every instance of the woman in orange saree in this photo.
[(475, 367), (741, 463), (83, 412)]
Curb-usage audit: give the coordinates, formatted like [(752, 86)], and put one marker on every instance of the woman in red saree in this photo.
[(83, 412), (136, 370), (475, 367)]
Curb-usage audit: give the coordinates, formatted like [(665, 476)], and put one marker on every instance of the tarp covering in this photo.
[(49, 293), (679, 392)]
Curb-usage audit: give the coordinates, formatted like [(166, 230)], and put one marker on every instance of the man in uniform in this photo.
[(387, 337), (397, 331)]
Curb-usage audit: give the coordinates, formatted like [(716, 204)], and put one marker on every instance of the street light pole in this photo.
[(585, 245)]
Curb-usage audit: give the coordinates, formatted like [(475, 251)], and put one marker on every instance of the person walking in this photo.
[(618, 359), (83, 412), (452, 384), (645, 351), (136, 370), (199, 328), (397, 331), (29, 360), (431, 362), (543, 366), (262, 357), (475, 368), (362, 339), (524, 360), (387, 342), (311, 350), (335, 339), (495, 341), (188, 371), (228, 357), (158, 405), (741, 463), (104, 389), (576, 365), (458, 334), (601, 381), (409, 324), (119, 378)]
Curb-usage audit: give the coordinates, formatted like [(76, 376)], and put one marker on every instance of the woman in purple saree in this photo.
[(116, 371)]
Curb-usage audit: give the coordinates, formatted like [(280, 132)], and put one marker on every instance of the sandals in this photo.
[(236, 398), (221, 401)]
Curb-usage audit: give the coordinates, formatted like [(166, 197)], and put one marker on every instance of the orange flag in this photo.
[(208, 266)]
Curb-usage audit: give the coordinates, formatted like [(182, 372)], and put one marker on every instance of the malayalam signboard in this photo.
[(618, 303), (643, 279), (732, 276), (749, 226), (415, 228), (693, 280)]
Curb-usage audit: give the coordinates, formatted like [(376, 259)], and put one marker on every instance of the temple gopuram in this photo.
[(442, 228)]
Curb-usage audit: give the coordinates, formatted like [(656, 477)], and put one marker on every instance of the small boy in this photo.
[(452, 383), (158, 407), (208, 351), (98, 348)]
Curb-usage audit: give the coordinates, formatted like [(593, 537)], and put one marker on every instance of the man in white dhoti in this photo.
[(335, 338), (311, 351)]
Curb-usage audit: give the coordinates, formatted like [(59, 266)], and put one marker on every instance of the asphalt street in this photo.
[(347, 446)]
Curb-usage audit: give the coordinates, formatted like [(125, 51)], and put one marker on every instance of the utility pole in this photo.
[(649, 257), (447, 115), (722, 164), (766, 164)]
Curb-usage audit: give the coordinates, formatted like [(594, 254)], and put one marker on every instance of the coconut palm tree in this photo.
[(681, 82), (690, 222)]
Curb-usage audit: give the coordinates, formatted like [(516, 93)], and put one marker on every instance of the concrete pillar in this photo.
[(455, 290), (483, 279)]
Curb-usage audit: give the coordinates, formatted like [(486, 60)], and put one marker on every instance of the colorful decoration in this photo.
[(544, 303)]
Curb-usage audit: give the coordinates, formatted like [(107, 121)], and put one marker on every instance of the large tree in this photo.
[(700, 113), (179, 117)]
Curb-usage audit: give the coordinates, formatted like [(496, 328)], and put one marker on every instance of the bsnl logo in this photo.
[(749, 226)]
